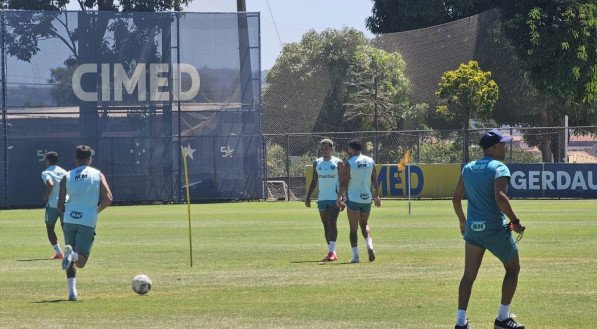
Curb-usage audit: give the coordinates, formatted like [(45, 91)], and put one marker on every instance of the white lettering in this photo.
[(548, 178), (578, 181), (190, 70), (105, 82), (592, 181), (137, 80), (534, 180), (80, 71), (563, 180), (156, 81), (518, 184)]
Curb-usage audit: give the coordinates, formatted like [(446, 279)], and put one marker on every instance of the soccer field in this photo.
[(257, 265)]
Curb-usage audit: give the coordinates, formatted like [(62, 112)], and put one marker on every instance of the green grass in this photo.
[(255, 266)]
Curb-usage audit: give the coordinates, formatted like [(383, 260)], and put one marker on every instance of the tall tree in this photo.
[(403, 15), (467, 92)]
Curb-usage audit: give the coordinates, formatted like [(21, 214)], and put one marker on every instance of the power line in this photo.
[(274, 21)]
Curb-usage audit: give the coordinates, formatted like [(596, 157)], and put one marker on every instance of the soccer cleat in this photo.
[(509, 323), (73, 296), (68, 257), (57, 256), (354, 260), (330, 257), (371, 254), (467, 325)]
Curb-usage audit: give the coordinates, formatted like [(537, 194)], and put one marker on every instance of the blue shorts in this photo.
[(500, 243), (52, 216), (80, 237), (362, 207), (326, 205)]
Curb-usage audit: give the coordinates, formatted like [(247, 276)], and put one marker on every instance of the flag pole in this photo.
[(408, 179), (186, 179)]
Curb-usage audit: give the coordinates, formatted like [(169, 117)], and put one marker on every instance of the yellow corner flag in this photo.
[(185, 153), (404, 161)]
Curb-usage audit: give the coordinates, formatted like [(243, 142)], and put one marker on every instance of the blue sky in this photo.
[(294, 18)]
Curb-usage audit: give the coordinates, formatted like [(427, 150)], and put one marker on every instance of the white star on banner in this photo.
[(188, 151)]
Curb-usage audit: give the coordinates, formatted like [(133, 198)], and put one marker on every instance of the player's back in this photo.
[(359, 185), (83, 188), (55, 173), (479, 177)]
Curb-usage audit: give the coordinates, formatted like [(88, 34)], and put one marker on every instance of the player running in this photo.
[(326, 177), (84, 186), (485, 182), (51, 177), (359, 184)]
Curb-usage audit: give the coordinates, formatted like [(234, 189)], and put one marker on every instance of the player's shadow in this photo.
[(52, 301), (305, 261), (33, 259)]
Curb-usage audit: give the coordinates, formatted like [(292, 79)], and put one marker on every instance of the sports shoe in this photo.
[(467, 325), (371, 254), (509, 323), (57, 256), (354, 260), (68, 257), (73, 296), (330, 257)]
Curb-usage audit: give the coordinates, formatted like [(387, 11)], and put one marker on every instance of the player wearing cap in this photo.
[(51, 177), (326, 177), (485, 182), (85, 186), (358, 190)]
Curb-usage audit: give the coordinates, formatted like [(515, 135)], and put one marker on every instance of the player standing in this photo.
[(485, 182), (359, 188), (326, 177), (51, 177), (84, 185)]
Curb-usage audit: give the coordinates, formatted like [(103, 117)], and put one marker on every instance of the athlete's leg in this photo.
[(51, 234), (324, 220), (52, 216), (510, 279), (366, 232), (353, 222), (473, 256), (332, 220)]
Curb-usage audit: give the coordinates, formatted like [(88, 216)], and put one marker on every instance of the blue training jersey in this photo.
[(55, 174), (83, 189), (483, 214), (359, 185), (328, 178)]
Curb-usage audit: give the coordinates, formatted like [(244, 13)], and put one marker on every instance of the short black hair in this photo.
[(52, 157), (84, 152), (356, 145)]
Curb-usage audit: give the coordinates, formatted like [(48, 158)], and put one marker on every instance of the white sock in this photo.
[(369, 243), (72, 284), (75, 257), (332, 246), (504, 312), (57, 249), (461, 318), (355, 252)]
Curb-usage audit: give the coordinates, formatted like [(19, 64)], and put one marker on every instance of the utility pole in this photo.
[(241, 5)]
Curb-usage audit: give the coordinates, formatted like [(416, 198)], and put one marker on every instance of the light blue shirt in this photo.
[(327, 178), (55, 174), (483, 214), (359, 185), (83, 189)]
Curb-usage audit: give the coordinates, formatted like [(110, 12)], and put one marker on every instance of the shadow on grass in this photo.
[(336, 263), (305, 261), (33, 259), (51, 301)]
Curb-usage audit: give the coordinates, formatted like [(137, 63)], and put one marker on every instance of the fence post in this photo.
[(288, 160), (4, 124), (418, 147), (511, 146)]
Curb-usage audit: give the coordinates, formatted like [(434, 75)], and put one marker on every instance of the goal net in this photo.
[(278, 190)]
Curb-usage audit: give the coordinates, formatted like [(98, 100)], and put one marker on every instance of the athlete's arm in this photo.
[(375, 187), (344, 173), (499, 189), (106, 195), (457, 203), (62, 195), (314, 181), (49, 187)]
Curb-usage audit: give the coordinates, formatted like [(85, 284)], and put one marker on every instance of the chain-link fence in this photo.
[(289, 154), (136, 87)]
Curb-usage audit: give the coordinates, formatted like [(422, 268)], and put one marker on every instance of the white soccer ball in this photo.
[(141, 284)]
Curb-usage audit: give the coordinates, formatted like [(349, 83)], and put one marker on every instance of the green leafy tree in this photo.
[(465, 93), (403, 15)]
